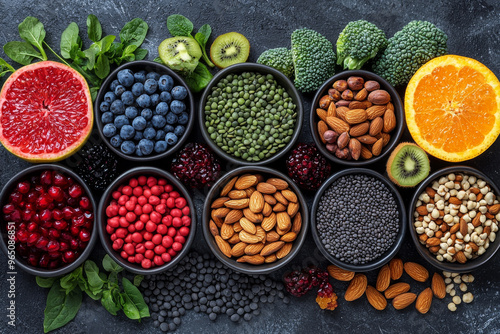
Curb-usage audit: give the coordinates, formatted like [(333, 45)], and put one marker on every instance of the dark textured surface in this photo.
[(473, 30)]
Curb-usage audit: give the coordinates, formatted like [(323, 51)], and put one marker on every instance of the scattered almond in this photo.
[(396, 289), (403, 300), (356, 288), (438, 286), (383, 278), (375, 298), (416, 271), (340, 274), (396, 268), (424, 301)]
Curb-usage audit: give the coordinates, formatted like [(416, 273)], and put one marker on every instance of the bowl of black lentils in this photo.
[(358, 220), (144, 111), (250, 114)]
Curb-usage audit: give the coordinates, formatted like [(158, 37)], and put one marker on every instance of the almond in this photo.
[(383, 278), (340, 274), (460, 257), (237, 203), (219, 202), (267, 210), (355, 148), (283, 220), (389, 121), (375, 111), (270, 199), (454, 229), (361, 95), (332, 110), (379, 97), (261, 234), (454, 200), (321, 114), (289, 237), (431, 242), (253, 217), (226, 231), (365, 153), (246, 181), (253, 249), (424, 301), (269, 222), (271, 258), (390, 106), (386, 138), (341, 112), (337, 124), (237, 194), (249, 191), (431, 192), (422, 210), (375, 298), (463, 227), (292, 209), (272, 236), (238, 249), (252, 259), (227, 188), (221, 212), (289, 195), (416, 271), (356, 116), (438, 286), (359, 129), (297, 223), (377, 147), (223, 245), (283, 232), (266, 188), (280, 198), (343, 140), (396, 268), (322, 128), (233, 216), (287, 247), (237, 227), (278, 183), (477, 220), (396, 289), (367, 139), (247, 225), (494, 209), (376, 126), (247, 237), (403, 300), (256, 203), (356, 288), (234, 239), (357, 105), (272, 248), (213, 228)]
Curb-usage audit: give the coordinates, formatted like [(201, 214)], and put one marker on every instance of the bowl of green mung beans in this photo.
[(250, 114)]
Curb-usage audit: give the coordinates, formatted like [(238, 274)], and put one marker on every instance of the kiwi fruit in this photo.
[(408, 165), (180, 53), (229, 49)]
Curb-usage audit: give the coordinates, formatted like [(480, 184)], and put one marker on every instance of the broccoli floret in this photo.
[(313, 59), (359, 42), (279, 58), (409, 49)]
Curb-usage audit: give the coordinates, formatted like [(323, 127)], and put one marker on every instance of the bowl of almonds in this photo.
[(357, 118), (454, 217), (255, 220)]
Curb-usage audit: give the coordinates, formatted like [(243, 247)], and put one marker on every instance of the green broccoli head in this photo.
[(313, 58), (359, 42), (409, 49), (280, 59)]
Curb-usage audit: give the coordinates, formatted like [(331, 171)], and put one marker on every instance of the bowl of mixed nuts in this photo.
[(356, 118), (255, 220), (454, 217)]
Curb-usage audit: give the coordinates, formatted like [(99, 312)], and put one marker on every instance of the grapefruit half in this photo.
[(45, 112)]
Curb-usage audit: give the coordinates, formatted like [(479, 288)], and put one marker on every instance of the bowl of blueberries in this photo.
[(144, 111)]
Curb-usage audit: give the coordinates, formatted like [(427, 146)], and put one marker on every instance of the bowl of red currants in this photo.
[(47, 221)]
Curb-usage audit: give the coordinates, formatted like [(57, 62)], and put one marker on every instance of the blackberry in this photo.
[(97, 166), (307, 167)]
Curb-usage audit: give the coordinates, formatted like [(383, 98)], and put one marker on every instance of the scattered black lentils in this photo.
[(357, 219), (203, 284)]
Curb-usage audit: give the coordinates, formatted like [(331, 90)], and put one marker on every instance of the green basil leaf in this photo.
[(179, 25), (129, 49), (110, 265), (91, 54), (92, 272), (140, 54), (199, 79), (102, 67), (134, 32), (21, 52), (45, 282), (33, 32), (61, 308), (129, 308), (138, 279), (93, 92), (69, 39), (95, 295), (4, 64), (113, 278), (76, 50), (115, 50), (205, 31), (94, 29), (109, 303), (2, 73), (105, 44), (69, 282), (158, 60), (135, 296)]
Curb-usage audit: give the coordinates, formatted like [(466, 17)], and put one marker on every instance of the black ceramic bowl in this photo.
[(148, 66), (246, 268), (389, 254), (422, 249), (282, 80), (21, 263), (102, 219), (398, 111)]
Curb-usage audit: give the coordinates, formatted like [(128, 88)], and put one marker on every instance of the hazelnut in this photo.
[(340, 85), (355, 83), (334, 94), (342, 153), (330, 136), (372, 85), (347, 95)]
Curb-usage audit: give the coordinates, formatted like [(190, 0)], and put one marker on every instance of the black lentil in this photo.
[(357, 219)]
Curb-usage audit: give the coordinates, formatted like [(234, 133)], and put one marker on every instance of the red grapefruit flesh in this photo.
[(45, 112)]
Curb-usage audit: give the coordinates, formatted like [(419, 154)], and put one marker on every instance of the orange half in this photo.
[(452, 107)]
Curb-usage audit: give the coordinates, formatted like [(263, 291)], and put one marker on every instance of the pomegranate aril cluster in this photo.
[(148, 221), (53, 219), (307, 167)]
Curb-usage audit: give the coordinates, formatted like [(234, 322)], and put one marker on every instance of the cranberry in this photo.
[(75, 191)]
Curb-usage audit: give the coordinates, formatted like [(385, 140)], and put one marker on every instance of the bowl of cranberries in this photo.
[(47, 220), (147, 220)]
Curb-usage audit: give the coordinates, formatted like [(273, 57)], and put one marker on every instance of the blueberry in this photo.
[(107, 117), (131, 112), (177, 106), (171, 138), (109, 130), (104, 106), (149, 133), (128, 147), (138, 152), (109, 97), (158, 121), (162, 108), (143, 101), (171, 118), (168, 128), (127, 132), (160, 146), (165, 83), (140, 76), (147, 114), (153, 75), (160, 135), (138, 136), (127, 98), (183, 118), (179, 92), (149, 124), (165, 97), (146, 146), (179, 130), (117, 107), (155, 99), (126, 77), (121, 120), (119, 90), (116, 141), (139, 123), (138, 89), (113, 85), (150, 86)]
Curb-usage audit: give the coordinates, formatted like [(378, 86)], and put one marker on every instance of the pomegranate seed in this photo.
[(74, 230), (44, 231), (33, 259), (53, 246), (23, 187), (31, 197), (60, 224), (8, 208), (73, 244), (85, 203), (46, 178), (63, 246), (15, 216), (84, 235), (46, 215), (75, 191), (43, 201), (54, 264), (78, 221), (89, 216), (54, 233), (60, 180), (66, 236), (22, 235), (54, 255), (72, 201), (56, 193), (57, 214), (47, 224), (32, 227), (33, 238), (69, 256), (42, 243), (27, 215)]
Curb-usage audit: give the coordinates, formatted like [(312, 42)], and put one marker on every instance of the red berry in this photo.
[(60, 180), (69, 256), (307, 167), (23, 187), (75, 191)]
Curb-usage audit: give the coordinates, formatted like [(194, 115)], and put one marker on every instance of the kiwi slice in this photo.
[(229, 49), (408, 165), (180, 53)]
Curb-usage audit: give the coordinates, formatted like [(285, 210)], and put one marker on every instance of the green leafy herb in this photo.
[(33, 32), (61, 307), (70, 41), (5, 68), (45, 282), (21, 52), (109, 302), (138, 279), (199, 79), (94, 29), (134, 32), (135, 296), (110, 265), (92, 272), (158, 60), (179, 25), (202, 37)]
